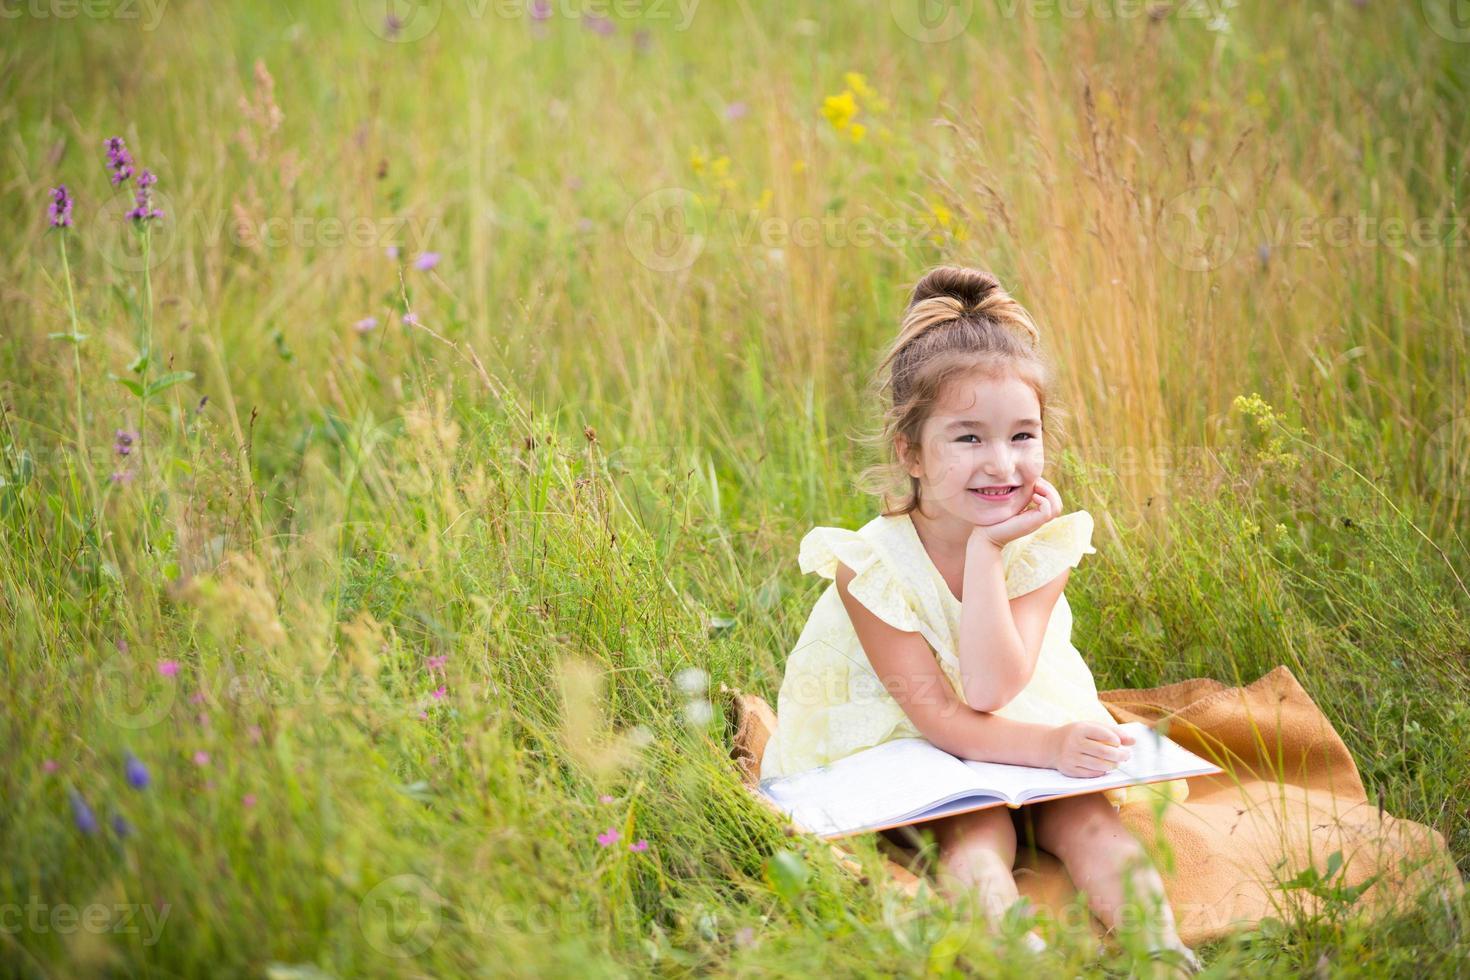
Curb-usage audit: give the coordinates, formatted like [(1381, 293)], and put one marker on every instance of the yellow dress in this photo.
[(832, 704)]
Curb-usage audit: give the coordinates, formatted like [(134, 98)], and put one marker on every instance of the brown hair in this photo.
[(959, 323)]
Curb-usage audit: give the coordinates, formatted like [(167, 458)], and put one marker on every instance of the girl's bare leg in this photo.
[(1099, 852), (976, 854)]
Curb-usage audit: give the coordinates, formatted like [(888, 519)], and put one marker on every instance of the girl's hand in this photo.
[(1045, 504), (1088, 748)]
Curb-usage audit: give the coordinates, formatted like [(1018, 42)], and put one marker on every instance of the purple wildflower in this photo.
[(122, 476), (50, 765), (365, 324), (201, 758), (392, 25), (605, 798), (120, 826), (599, 24), (391, 251), (123, 441), (642, 845), (736, 110), (410, 319), (136, 772), (85, 818), (540, 10), (426, 261), (168, 668), (608, 836), (59, 210), (119, 161), (144, 209), (642, 39)]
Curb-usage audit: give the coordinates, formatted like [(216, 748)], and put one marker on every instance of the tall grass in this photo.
[(586, 466)]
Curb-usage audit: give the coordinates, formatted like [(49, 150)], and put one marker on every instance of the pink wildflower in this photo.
[(608, 836)]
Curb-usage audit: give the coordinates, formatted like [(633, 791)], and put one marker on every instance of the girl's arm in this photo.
[(910, 672), (1000, 638)]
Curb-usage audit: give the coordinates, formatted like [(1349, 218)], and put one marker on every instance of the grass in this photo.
[(635, 381)]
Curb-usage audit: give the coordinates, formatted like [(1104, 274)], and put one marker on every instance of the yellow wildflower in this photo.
[(839, 110), (856, 132), (697, 160), (798, 167)]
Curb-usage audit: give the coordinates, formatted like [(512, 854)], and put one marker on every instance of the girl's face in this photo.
[(980, 452)]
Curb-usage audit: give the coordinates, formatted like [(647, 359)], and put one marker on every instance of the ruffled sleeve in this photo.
[(875, 582), (1035, 559)]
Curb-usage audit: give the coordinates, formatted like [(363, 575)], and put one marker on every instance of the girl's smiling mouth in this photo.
[(994, 493)]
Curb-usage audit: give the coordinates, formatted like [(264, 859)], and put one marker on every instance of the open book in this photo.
[(909, 780)]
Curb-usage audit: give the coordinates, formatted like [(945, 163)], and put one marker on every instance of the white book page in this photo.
[(885, 784), (1154, 758)]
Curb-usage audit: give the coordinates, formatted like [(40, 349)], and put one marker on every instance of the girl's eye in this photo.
[(971, 435)]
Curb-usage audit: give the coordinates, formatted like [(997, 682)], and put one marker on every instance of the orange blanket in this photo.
[(1289, 798)]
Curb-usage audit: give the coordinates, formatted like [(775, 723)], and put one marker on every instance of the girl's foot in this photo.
[(1179, 955)]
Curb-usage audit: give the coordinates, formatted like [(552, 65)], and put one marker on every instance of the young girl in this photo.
[(946, 617)]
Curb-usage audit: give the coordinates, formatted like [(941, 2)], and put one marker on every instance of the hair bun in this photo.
[(969, 288)]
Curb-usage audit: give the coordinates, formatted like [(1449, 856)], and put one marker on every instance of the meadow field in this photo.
[(386, 507)]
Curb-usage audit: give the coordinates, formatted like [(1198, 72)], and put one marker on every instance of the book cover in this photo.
[(910, 780)]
